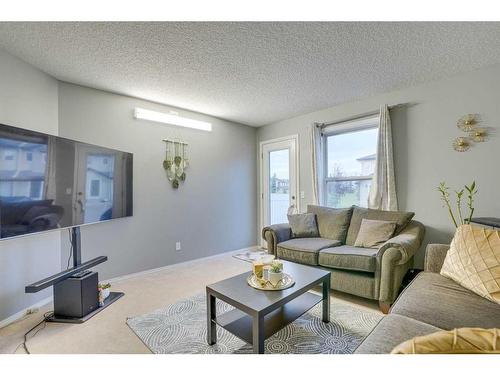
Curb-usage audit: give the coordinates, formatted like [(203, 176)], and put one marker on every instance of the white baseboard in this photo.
[(24, 312), (21, 314), (169, 266)]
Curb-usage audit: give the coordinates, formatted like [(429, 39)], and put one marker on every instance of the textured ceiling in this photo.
[(252, 73)]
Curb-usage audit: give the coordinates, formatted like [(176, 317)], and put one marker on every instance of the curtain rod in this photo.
[(357, 117)]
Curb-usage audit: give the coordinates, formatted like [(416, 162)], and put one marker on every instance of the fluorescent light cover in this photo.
[(165, 118)]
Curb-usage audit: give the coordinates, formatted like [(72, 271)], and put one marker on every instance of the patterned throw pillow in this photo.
[(303, 225), (473, 261), (373, 233), (457, 341)]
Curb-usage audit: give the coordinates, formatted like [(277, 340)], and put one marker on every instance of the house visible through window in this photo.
[(22, 181), (350, 156)]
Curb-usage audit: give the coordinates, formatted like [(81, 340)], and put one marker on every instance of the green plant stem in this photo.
[(470, 216), (459, 205), (445, 197), (471, 190), (443, 189), (452, 216)]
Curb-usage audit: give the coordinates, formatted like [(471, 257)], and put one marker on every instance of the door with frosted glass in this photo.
[(278, 180)]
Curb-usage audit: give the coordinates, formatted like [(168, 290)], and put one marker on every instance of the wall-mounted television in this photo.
[(49, 182)]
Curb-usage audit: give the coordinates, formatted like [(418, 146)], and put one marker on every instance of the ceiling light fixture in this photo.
[(171, 119)]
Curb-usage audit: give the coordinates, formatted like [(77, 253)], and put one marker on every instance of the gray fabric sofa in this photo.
[(374, 273), (430, 303)]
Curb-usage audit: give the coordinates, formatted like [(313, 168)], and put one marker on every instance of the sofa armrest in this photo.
[(274, 234), (394, 259), (434, 257), (406, 243)]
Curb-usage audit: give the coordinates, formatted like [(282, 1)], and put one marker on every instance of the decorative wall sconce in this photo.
[(176, 161), (461, 144), (469, 124), (478, 135)]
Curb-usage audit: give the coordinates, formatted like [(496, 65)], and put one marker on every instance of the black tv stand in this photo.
[(54, 279), (113, 296), (78, 266)]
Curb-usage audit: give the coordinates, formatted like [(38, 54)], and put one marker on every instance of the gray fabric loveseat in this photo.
[(374, 273), (430, 303)]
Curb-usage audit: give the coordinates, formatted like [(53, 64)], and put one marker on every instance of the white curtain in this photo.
[(383, 188), (317, 163), (50, 171)]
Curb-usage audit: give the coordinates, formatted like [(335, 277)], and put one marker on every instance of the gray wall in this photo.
[(28, 99), (422, 145), (213, 211)]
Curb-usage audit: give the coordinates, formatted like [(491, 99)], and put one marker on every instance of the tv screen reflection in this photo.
[(49, 182)]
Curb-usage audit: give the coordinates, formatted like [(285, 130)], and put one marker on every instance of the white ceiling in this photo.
[(252, 73)]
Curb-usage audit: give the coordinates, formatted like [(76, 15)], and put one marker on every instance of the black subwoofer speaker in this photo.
[(76, 297)]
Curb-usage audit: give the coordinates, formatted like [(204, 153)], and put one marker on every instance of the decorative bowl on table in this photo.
[(262, 284)]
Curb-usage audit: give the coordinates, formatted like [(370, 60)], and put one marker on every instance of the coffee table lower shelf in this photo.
[(240, 324)]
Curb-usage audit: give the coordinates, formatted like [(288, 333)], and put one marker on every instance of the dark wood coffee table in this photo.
[(259, 314)]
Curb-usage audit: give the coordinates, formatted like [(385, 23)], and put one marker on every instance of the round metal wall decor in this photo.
[(461, 144)]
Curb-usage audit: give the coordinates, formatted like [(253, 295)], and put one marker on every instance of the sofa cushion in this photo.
[(349, 258), (373, 233), (303, 225), (441, 302), (333, 223), (391, 331), (304, 250), (359, 213)]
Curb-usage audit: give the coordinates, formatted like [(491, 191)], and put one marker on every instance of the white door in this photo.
[(279, 179), (95, 188)]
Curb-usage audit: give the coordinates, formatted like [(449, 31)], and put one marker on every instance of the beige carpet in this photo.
[(107, 332)]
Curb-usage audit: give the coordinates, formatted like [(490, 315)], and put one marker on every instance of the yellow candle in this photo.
[(257, 269)]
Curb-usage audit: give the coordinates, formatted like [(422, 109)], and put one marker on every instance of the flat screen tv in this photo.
[(49, 182)]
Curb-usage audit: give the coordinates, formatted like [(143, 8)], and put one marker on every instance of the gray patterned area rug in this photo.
[(181, 328)]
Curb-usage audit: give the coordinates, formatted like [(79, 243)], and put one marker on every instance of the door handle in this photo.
[(82, 207)]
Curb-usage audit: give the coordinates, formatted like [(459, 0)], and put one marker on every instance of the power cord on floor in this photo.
[(48, 314), (44, 322)]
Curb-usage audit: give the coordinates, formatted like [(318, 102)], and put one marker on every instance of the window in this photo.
[(350, 158), (36, 189), (24, 180), (95, 187)]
